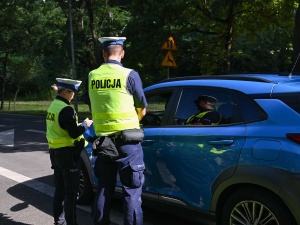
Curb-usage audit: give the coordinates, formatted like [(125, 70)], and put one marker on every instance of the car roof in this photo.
[(247, 83)]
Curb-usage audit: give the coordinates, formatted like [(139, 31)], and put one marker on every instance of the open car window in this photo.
[(225, 105), (157, 104)]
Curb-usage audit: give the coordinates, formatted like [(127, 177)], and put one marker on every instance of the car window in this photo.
[(224, 104), (251, 110), (157, 104), (290, 99)]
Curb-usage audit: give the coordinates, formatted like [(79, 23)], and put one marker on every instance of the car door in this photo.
[(153, 124), (189, 158)]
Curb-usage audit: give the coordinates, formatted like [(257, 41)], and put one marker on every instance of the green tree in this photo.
[(30, 30), (296, 41), (20, 70), (91, 20), (213, 37)]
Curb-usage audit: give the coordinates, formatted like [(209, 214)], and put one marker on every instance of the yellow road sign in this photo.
[(169, 60), (170, 44)]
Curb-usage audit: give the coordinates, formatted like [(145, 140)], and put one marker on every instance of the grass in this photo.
[(39, 108)]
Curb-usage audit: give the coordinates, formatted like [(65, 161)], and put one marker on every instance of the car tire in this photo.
[(85, 190), (255, 206)]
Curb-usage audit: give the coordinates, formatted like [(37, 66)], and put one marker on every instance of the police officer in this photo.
[(207, 114), (65, 141), (117, 103)]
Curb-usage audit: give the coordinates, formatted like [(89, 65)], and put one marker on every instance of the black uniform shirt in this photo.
[(67, 120), (210, 118)]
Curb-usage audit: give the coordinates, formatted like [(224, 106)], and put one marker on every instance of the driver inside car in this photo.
[(207, 114)]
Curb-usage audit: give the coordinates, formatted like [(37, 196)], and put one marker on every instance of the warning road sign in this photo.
[(169, 45), (169, 60)]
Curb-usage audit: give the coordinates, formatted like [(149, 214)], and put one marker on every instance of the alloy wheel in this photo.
[(252, 213)]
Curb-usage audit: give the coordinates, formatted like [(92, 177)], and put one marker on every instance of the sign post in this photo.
[(169, 60)]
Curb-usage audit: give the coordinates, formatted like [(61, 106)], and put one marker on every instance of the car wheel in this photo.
[(255, 207), (85, 190)]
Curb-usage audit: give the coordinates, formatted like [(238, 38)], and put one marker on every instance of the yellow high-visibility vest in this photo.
[(56, 136), (111, 105), (198, 116)]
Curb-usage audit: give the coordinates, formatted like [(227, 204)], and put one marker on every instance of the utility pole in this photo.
[(72, 51)]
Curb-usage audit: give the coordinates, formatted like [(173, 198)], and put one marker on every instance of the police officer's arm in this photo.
[(135, 87), (141, 112), (86, 97), (67, 121)]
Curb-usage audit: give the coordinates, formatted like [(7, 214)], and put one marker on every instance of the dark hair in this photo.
[(57, 89), (113, 49)]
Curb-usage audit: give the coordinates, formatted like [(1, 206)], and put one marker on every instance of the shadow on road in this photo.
[(5, 220), (39, 200)]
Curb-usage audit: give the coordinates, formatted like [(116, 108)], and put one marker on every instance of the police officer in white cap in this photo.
[(117, 103), (66, 142), (207, 114)]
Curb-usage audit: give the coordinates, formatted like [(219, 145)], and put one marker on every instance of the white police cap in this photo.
[(68, 83), (207, 98), (106, 41)]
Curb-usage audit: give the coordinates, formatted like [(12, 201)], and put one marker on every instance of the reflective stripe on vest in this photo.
[(108, 93), (199, 116), (56, 136)]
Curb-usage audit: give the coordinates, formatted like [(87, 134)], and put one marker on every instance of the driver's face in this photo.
[(202, 103)]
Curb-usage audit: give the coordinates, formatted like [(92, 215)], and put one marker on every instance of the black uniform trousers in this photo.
[(66, 180), (130, 166)]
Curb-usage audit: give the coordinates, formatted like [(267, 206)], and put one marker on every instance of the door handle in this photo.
[(148, 142), (221, 142)]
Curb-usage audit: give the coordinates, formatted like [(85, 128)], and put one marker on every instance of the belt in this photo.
[(115, 135)]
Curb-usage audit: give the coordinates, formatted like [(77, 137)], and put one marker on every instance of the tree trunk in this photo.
[(95, 52), (3, 80), (229, 36), (16, 94)]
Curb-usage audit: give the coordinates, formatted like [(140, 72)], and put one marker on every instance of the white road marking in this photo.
[(34, 184), (7, 138), (27, 181), (37, 131)]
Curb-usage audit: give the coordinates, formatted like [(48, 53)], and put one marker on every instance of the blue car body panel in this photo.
[(256, 87), (193, 166), (266, 140), (183, 161)]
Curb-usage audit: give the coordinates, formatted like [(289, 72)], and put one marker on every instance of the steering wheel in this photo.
[(151, 119)]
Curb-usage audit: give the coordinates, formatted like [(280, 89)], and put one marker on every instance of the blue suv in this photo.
[(245, 169)]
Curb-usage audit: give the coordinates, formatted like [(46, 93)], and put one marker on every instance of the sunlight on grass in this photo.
[(39, 108)]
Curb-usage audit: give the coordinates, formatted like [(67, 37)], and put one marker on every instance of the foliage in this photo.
[(32, 34), (211, 36), (214, 37)]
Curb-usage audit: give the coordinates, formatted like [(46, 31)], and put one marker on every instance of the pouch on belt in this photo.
[(132, 135), (105, 148)]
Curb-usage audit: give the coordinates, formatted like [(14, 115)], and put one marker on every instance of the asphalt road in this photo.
[(26, 179)]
